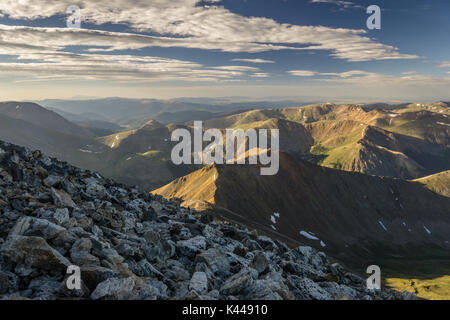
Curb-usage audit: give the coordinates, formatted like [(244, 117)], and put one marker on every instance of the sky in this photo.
[(310, 49)]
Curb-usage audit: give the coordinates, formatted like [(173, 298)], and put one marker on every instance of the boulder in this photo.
[(114, 289), (199, 282), (35, 252), (237, 283), (62, 199)]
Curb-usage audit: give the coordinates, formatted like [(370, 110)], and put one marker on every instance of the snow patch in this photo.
[(427, 230), (443, 124), (383, 226), (273, 227), (274, 217), (308, 235), (312, 236)]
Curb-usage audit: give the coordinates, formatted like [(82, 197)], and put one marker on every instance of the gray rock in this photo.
[(93, 275), (62, 199), (192, 246), (34, 252), (44, 287), (42, 228), (339, 292), (177, 273), (52, 181), (237, 283), (199, 282), (21, 226), (309, 289), (61, 216), (9, 282), (114, 289), (260, 262), (216, 261), (269, 289), (80, 253), (96, 190)]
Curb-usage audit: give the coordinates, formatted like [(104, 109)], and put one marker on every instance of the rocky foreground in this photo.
[(133, 245)]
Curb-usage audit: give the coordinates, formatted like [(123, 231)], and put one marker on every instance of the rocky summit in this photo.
[(133, 245)]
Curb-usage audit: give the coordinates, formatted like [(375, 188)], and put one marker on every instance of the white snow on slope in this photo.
[(427, 230), (308, 235), (383, 226), (311, 236), (85, 151)]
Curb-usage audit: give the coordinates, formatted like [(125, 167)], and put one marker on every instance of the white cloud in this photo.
[(409, 72), (303, 73), (445, 64), (341, 4), (209, 27), (237, 68), (253, 60), (260, 75)]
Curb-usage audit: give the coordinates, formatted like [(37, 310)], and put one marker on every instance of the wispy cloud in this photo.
[(445, 64), (303, 73), (260, 75), (237, 68), (340, 4), (253, 60), (361, 78)]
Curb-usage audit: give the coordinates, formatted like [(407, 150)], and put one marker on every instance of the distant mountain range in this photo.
[(407, 141)]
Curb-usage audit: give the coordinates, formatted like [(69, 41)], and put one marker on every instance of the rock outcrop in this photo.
[(132, 245)]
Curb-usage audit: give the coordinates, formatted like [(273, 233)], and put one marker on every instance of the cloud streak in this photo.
[(361, 78), (340, 4), (256, 61)]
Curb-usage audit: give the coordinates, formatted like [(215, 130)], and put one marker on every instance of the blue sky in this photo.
[(317, 49)]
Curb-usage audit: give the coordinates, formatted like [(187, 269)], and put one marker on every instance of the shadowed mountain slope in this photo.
[(37, 115), (356, 218)]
